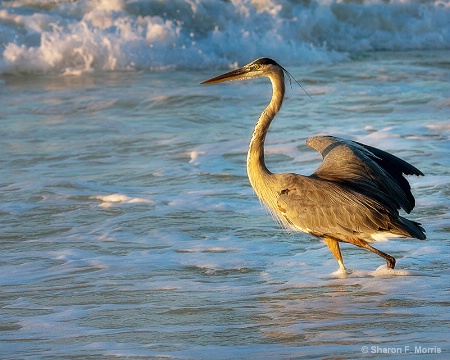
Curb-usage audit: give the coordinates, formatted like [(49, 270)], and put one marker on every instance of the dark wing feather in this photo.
[(365, 169)]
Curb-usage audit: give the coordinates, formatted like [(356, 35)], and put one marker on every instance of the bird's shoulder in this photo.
[(300, 193), (295, 188)]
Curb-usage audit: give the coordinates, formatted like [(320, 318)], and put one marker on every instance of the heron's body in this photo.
[(354, 196)]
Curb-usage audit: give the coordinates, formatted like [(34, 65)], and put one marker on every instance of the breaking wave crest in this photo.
[(72, 37)]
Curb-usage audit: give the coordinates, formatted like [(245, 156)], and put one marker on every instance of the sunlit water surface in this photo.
[(128, 226)]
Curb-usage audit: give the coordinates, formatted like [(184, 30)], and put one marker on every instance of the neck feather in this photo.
[(260, 177)]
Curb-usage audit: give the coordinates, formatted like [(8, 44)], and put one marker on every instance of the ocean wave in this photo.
[(73, 37)]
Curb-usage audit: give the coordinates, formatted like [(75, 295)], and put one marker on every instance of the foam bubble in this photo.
[(383, 271)]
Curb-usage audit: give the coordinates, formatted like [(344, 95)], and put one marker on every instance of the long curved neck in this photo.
[(260, 177)]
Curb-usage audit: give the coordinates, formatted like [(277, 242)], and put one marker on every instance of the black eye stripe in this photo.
[(265, 61)]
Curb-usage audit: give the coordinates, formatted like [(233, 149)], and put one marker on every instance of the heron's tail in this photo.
[(412, 228)]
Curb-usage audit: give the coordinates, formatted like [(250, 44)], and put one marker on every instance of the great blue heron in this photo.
[(354, 196)]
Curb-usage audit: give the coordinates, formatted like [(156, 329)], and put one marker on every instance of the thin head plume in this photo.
[(290, 77)]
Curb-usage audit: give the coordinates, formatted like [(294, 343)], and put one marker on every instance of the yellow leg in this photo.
[(390, 261), (333, 245)]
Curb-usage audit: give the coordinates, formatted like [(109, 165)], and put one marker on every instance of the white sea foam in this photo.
[(38, 36), (110, 200), (381, 271)]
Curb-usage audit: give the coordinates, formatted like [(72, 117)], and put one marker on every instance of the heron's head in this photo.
[(260, 67)]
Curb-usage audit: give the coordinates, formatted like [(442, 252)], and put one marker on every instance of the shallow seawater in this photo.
[(128, 226)]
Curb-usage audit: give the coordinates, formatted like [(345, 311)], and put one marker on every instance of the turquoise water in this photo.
[(129, 228)]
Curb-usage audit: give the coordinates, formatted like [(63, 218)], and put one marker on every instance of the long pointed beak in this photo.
[(238, 74)]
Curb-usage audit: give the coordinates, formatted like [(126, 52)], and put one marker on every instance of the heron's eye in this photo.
[(257, 67)]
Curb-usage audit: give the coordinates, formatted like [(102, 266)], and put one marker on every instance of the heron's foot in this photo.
[(390, 262), (342, 268), (345, 271), (342, 272)]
